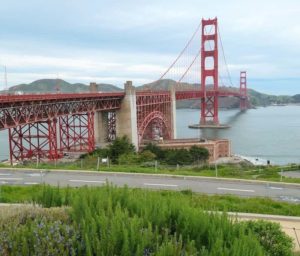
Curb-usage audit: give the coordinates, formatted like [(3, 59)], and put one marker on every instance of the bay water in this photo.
[(270, 133)]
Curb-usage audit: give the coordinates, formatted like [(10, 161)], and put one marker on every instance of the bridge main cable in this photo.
[(181, 53)]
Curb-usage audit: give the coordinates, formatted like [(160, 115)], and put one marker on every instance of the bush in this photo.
[(146, 156), (128, 158), (271, 237), (199, 154), (178, 156), (156, 150), (119, 147), (122, 221)]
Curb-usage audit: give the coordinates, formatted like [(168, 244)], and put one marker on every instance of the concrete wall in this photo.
[(127, 116)]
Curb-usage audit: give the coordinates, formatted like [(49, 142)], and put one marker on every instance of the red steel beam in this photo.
[(195, 94), (77, 133), (31, 109), (34, 140), (154, 115)]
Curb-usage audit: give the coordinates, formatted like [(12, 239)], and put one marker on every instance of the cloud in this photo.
[(137, 40)]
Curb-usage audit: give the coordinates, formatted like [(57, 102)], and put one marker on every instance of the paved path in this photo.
[(292, 174), (278, 191)]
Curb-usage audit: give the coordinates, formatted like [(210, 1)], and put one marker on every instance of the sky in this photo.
[(114, 41)]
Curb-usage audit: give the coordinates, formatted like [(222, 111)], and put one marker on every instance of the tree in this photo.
[(120, 146), (199, 153)]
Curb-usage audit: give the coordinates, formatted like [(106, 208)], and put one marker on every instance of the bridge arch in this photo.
[(154, 126)]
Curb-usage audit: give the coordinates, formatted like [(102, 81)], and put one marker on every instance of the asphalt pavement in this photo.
[(278, 191)]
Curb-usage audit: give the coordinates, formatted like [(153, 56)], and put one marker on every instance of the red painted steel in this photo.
[(34, 140), (18, 110), (209, 103), (154, 115), (77, 132), (192, 94), (31, 119), (111, 126), (243, 90)]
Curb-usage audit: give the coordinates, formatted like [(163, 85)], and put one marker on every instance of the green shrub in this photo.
[(271, 237), (120, 146), (146, 156)]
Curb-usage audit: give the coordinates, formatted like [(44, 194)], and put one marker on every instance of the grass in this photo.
[(19, 194), (238, 171)]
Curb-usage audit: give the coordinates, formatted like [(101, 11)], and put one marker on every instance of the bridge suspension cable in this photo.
[(182, 52), (189, 67), (224, 57)]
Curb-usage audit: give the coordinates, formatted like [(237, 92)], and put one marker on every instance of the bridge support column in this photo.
[(105, 127), (34, 140), (173, 112), (126, 123), (77, 132)]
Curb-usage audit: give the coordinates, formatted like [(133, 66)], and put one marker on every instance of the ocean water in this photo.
[(271, 133)]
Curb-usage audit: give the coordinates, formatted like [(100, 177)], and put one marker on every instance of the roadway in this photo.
[(277, 191)]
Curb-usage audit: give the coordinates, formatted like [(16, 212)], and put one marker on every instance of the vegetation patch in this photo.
[(124, 221)]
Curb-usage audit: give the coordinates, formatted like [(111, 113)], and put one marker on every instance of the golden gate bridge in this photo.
[(47, 125)]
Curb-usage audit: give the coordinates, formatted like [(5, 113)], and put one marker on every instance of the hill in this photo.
[(256, 98), (51, 85)]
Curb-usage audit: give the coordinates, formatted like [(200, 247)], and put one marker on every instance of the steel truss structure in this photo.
[(34, 140), (77, 133), (24, 109), (154, 118), (111, 121), (32, 122)]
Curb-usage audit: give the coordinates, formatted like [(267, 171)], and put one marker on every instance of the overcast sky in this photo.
[(114, 41)]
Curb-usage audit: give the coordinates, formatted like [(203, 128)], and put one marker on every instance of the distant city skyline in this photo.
[(114, 41)]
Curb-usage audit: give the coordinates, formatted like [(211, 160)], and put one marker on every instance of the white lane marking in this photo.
[(35, 174), (3, 182), (161, 185), (5, 174), (235, 189), (88, 181), (275, 188), (11, 178), (31, 183)]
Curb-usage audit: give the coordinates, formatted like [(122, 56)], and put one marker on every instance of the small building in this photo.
[(217, 148)]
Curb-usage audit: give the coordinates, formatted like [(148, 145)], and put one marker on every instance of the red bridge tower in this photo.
[(209, 53), (243, 90)]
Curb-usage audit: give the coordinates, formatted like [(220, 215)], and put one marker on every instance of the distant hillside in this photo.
[(165, 84), (256, 98), (51, 85)]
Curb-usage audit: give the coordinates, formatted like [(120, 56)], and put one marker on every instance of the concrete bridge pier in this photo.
[(126, 116), (100, 124)]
